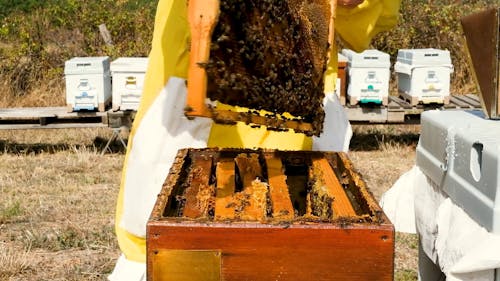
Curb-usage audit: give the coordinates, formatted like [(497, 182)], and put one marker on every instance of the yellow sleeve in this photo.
[(357, 26)]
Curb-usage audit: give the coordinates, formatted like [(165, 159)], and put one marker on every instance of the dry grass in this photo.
[(58, 194), (57, 199), (13, 261), (382, 154)]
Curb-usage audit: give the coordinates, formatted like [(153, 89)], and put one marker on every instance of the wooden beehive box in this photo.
[(261, 55), (267, 215)]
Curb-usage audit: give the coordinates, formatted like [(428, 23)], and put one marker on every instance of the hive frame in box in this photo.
[(350, 247), (203, 16)]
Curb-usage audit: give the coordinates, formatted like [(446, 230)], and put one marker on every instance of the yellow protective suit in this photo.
[(169, 59)]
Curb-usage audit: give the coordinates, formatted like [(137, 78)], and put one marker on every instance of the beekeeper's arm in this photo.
[(160, 128)]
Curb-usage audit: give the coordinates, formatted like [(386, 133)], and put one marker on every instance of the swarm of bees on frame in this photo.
[(271, 55)]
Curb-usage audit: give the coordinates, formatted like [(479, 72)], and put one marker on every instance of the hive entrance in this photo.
[(265, 186)]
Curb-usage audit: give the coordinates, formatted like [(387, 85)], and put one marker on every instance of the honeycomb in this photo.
[(271, 55)]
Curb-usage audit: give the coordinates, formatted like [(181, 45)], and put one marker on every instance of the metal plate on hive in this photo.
[(482, 36), (192, 265)]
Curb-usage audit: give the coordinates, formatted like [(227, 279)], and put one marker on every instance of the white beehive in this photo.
[(369, 74), (460, 152), (424, 75), (128, 80), (88, 83)]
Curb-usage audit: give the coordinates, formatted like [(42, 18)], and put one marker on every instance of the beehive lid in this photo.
[(484, 54), (87, 65), (129, 64), (424, 57), (368, 58)]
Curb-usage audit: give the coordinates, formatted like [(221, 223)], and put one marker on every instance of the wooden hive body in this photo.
[(267, 215)]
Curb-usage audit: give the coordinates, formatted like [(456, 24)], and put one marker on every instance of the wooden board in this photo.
[(328, 184), (295, 252), (278, 189), (225, 190), (197, 204)]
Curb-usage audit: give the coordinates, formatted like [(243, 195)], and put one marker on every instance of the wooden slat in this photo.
[(202, 16), (278, 189), (277, 122), (393, 105), (451, 105), (199, 194), (31, 113), (224, 209), (253, 198), (474, 98), (51, 126), (341, 206), (401, 102), (471, 103), (458, 102)]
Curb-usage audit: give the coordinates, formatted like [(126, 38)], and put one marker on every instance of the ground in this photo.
[(58, 195)]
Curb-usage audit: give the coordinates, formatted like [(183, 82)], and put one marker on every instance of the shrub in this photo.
[(40, 36)]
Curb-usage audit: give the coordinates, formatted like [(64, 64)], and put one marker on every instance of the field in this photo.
[(58, 194)]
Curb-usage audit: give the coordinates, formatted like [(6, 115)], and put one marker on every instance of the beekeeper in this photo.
[(160, 128)]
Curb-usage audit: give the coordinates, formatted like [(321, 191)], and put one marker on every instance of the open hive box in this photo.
[(266, 56), (233, 214)]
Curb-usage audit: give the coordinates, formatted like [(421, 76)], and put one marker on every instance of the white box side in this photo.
[(87, 91), (448, 154)]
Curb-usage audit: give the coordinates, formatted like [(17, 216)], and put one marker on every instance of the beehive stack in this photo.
[(271, 55)]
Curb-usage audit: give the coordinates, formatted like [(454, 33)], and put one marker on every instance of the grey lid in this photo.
[(87, 65), (129, 64)]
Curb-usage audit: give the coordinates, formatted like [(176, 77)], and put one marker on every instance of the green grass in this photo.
[(405, 275), (10, 211)]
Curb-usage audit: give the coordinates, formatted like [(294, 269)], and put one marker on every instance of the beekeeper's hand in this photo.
[(349, 3)]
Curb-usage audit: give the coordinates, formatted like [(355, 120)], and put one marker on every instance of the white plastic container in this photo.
[(369, 74), (128, 80), (88, 83), (460, 152), (424, 75)]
